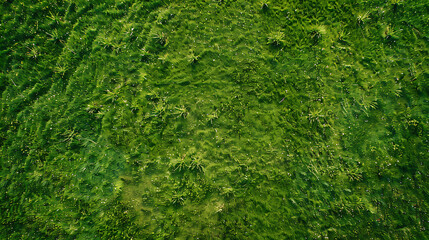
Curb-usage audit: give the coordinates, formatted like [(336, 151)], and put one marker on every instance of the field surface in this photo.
[(214, 119)]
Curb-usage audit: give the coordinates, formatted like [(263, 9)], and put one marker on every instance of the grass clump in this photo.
[(276, 39), (184, 164)]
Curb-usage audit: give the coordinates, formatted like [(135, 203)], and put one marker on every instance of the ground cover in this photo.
[(214, 119)]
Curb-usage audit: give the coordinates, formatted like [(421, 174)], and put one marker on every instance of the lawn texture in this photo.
[(214, 119)]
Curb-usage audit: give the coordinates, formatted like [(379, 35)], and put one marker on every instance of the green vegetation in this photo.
[(214, 119)]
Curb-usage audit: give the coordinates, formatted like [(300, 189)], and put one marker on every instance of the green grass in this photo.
[(214, 119)]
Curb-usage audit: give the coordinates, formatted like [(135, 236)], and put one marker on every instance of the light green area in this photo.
[(214, 119)]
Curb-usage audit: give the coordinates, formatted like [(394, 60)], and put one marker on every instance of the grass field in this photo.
[(215, 119)]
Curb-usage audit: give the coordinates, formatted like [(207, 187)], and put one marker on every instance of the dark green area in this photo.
[(214, 119)]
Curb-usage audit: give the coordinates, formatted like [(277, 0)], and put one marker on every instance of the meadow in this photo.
[(214, 119)]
